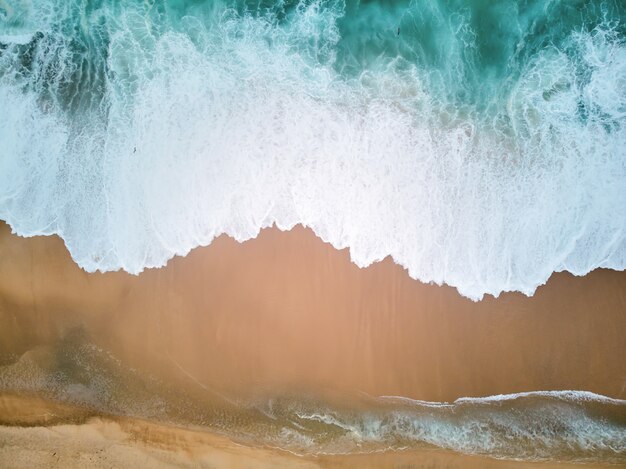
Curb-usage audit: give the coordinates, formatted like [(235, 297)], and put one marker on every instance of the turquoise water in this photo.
[(471, 53), (480, 144)]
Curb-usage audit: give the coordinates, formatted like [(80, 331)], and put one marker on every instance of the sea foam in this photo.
[(138, 134)]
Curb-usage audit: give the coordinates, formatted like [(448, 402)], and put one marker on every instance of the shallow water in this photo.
[(569, 426)]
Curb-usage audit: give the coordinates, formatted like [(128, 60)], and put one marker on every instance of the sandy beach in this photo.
[(284, 313), (313, 234), (287, 311)]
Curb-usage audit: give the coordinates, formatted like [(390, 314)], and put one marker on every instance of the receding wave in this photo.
[(552, 425), (481, 145)]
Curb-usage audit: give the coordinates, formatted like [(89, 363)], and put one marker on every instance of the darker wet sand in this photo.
[(287, 312)]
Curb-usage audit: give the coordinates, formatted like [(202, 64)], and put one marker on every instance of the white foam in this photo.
[(244, 128), (567, 395), (558, 425), (20, 39)]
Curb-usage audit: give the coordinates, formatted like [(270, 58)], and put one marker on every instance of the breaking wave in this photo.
[(480, 145)]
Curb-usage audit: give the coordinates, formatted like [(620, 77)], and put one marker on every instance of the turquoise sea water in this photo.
[(480, 144)]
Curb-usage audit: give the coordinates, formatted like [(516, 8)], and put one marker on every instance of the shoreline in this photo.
[(263, 336), (29, 440), (286, 311)]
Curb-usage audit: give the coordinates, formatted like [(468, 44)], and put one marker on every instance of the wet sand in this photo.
[(72, 438), (287, 312), (284, 313)]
